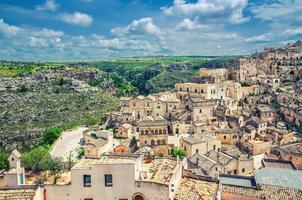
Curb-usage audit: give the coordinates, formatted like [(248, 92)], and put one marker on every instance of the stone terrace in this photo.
[(196, 190), (160, 170), (266, 192), (17, 194)]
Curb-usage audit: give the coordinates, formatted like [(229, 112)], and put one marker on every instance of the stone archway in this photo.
[(138, 196)]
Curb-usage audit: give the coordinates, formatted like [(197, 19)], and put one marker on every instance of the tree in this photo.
[(91, 121), (23, 88), (3, 161), (178, 152), (51, 134), (55, 167), (35, 158)]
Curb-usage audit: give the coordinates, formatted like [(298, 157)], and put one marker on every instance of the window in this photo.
[(196, 150), (108, 180), (243, 170), (87, 180), (185, 148), (224, 137), (214, 147), (195, 90)]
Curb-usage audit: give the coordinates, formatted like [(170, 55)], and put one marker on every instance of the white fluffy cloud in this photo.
[(76, 18), (139, 27), (7, 29), (266, 37), (48, 44), (278, 10), (189, 25), (292, 32), (44, 32), (48, 5), (212, 11)]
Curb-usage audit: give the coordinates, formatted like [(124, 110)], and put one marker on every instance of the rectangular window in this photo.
[(87, 180), (108, 180)]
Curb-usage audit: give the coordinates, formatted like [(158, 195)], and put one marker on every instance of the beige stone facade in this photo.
[(199, 143)]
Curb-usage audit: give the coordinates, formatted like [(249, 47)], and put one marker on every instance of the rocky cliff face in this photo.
[(29, 105)]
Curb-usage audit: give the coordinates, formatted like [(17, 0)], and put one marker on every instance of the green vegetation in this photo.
[(55, 167), (3, 161), (244, 84), (51, 135), (71, 125), (178, 152), (25, 116), (80, 153), (36, 158), (91, 121)]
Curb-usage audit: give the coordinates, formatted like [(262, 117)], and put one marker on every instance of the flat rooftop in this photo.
[(17, 194), (237, 180), (106, 159), (279, 177), (282, 164), (195, 190), (160, 170)]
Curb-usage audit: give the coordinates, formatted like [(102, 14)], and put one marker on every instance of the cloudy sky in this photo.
[(100, 29)]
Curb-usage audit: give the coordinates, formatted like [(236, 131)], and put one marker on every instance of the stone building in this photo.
[(291, 151), (214, 163), (123, 131), (216, 75), (120, 177), (199, 143), (15, 176), (154, 133), (207, 91), (162, 104), (97, 142)]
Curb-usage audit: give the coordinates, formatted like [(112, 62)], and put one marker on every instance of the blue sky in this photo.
[(41, 30)]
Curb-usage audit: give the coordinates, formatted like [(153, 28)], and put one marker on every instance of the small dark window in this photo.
[(224, 137), (196, 150), (108, 180), (243, 170), (87, 180)]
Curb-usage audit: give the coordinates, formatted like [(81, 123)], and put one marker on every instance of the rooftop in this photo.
[(292, 147), (279, 177), (195, 190), (219, 157), (237, 180), (197, 138), (17, 194), (282, 164), (106, 159), (160, 170)]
